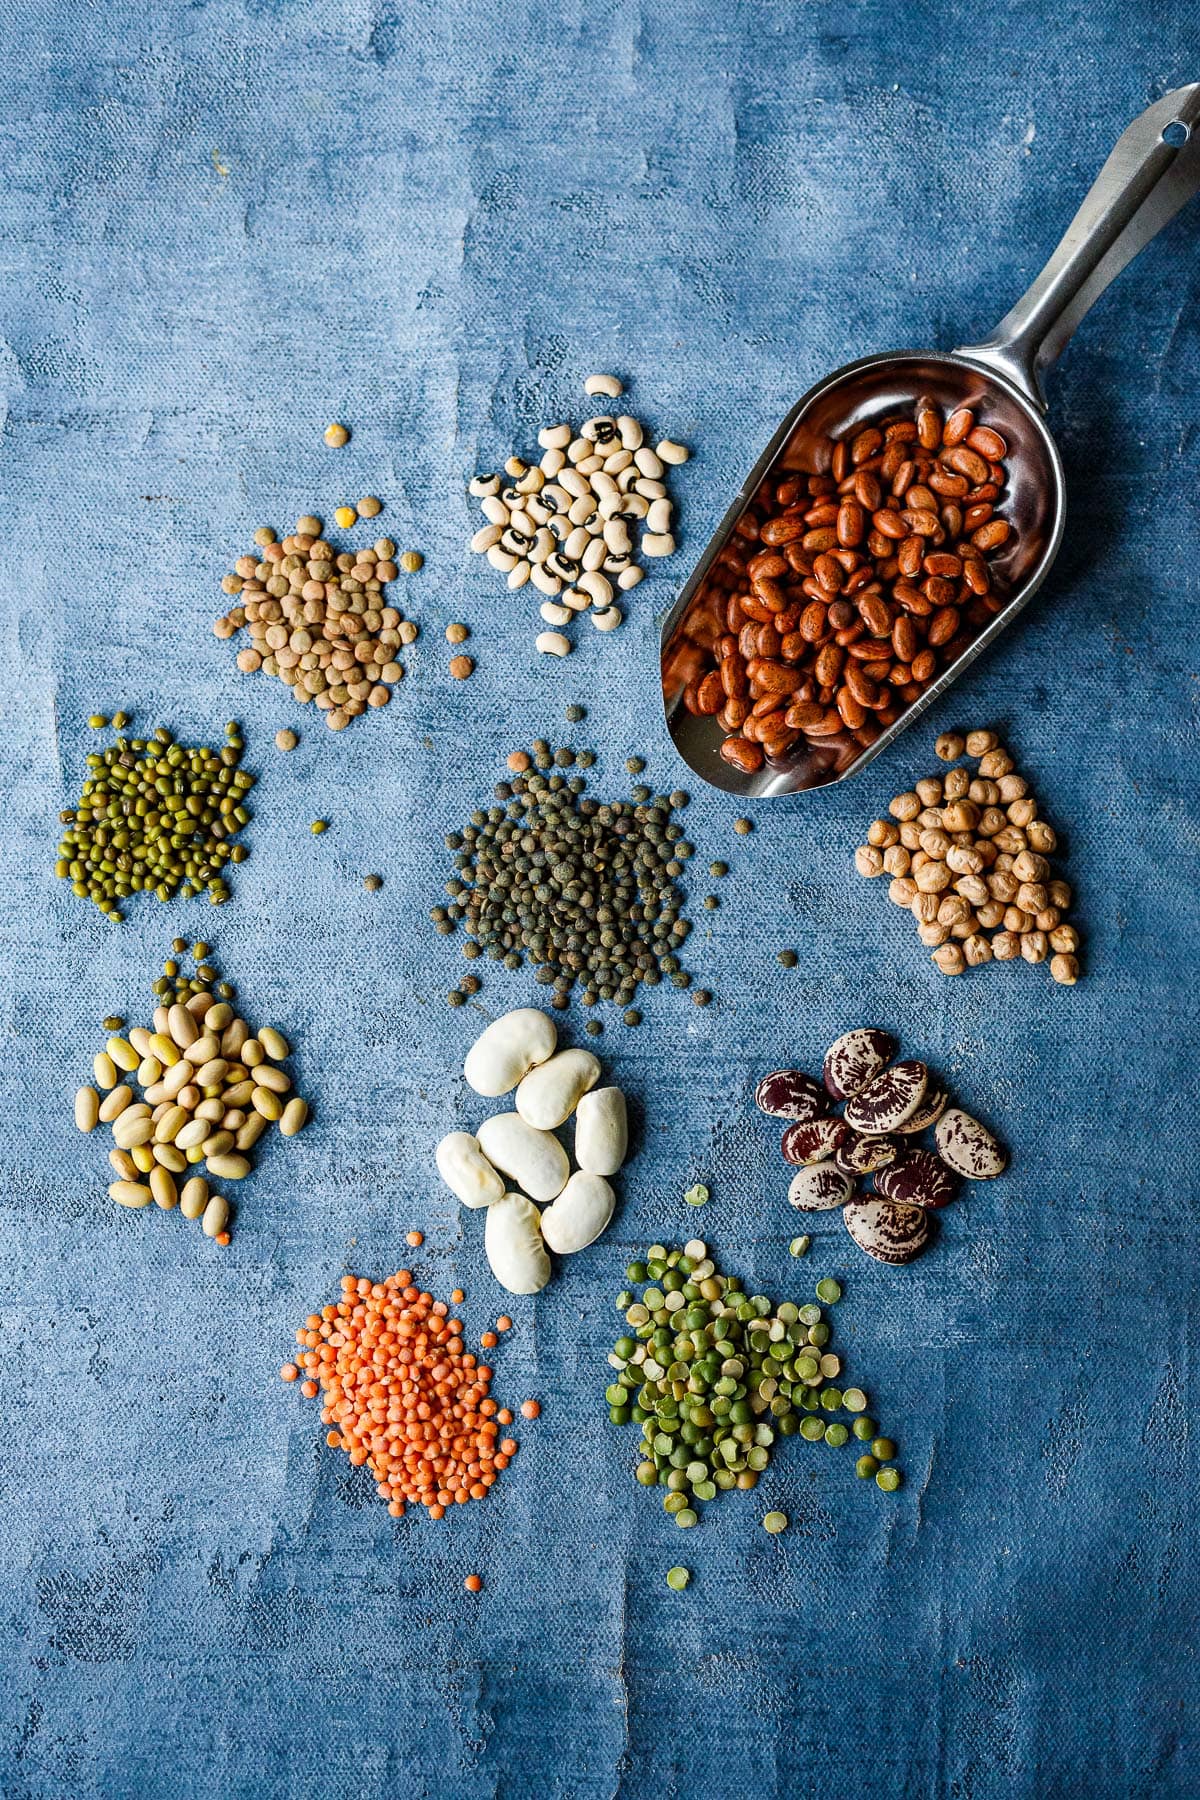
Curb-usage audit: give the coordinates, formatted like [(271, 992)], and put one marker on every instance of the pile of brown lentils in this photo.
[(319, 619), (586, 890)]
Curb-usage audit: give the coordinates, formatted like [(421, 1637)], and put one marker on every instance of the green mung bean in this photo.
[(155, 817)]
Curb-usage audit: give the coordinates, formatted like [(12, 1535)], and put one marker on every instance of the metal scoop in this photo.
[(1153, 170)]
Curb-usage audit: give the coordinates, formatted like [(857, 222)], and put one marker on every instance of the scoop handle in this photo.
[(1153, 170)]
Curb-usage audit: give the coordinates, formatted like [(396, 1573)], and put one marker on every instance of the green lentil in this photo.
[(717, 869), (701, 997), (828, 1291), (575, 713), (836, 1434), (635, 764), (775, 1522), (864, 1429), (883, 1449), (788, 959), (155, 817), (865, 1467), (678, 1578), (711, 903), (888, 1479)]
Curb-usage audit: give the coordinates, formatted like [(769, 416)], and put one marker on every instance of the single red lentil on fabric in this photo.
[(402, 1394)]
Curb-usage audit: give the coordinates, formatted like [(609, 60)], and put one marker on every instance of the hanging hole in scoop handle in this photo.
[(1153, 170)]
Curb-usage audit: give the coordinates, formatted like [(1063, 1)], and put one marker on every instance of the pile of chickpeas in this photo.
[(968, 856)]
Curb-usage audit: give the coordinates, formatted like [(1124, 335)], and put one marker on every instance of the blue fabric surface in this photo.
[(224, 226)]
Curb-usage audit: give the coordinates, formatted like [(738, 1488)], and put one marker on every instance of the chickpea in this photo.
[(1032, 896), (1006, 946), (996, 763), (991, 820), (868, 861), (953, 909), (1034, 946), (933, 935), (1065, 970), (984, 793), (929, 791), (1017, 920), (926, 909), (897, 860), (956, 784), (1021, 812), (919, 859), (950, 746), (980, 742), (932, 878), (964, 861), (1010, 840), (935, 843), (949, 959), (1064, 939), (929, 818), (1012, 787), (910, 835), (965, 928), (977, 950), (882, 834), (901, 891), (991, 914), (1048, 918), (962, 815), (973, 888), (1031, 867), (1060, 893), (1041, 835), (986, 851), (905, 806)]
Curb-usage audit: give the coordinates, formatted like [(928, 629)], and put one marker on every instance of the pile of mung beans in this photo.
[(210, 1089), (586, 890), (319, 618), (569, 523), (155, 817), (714, 1376)]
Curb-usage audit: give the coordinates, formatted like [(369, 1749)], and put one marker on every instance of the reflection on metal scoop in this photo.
[(1152, 171)]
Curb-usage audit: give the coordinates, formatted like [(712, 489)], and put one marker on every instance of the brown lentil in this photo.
[(411, 561), (457, 634), (461, 667), (369, 507), (286, 740)]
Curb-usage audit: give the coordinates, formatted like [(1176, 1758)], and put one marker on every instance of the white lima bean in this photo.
[(508, 1049), (466, 1171), (549, 1094), (512, 1239), (536, 1161), (601, 1131), (580, 1213)]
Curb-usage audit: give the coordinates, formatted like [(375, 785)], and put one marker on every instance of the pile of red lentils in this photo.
[(403, 1395)]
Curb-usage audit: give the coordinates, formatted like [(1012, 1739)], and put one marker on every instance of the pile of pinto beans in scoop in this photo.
[(886, 1105)]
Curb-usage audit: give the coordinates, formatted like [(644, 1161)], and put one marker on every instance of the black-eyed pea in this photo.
[(990, 914), (980, 742), (1041, 836), (1032, 896), (933, 935), (905, 806), (995, 763), (868, 861), (973, 888), (950, 959), (926, 908), (910, 835), (901, 890), (1034, 946), (960, 815), (1013, 788), (1048, 918), (1065, 969), (882, 833), (956, 784), (1006, 946), (977, 950), (935, 843), (897, 860), (1064, 939), (929, 790)]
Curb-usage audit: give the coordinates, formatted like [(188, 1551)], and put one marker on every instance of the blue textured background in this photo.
[(222, 227)]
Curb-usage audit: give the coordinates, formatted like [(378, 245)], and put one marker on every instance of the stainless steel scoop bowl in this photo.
[(1153, 170)]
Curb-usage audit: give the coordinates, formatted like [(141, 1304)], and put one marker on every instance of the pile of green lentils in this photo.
[(586, 890), (714, 1376), (155, 817)]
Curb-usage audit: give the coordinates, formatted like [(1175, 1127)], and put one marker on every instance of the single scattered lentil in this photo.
[(575, 713), (336, 435), (788, 959), (372, 883), (531, 1409), (678, 1578), (369, 506), (743, 827), (828, 1291), (698, 1195), (411, 561), (414, 1239), (717, 869), (800, 1246), (457, 634), (473, 1584), (286, 740), (888, 1479), (461, 667), (114, 1022), (318, 826), (775, 1522)]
